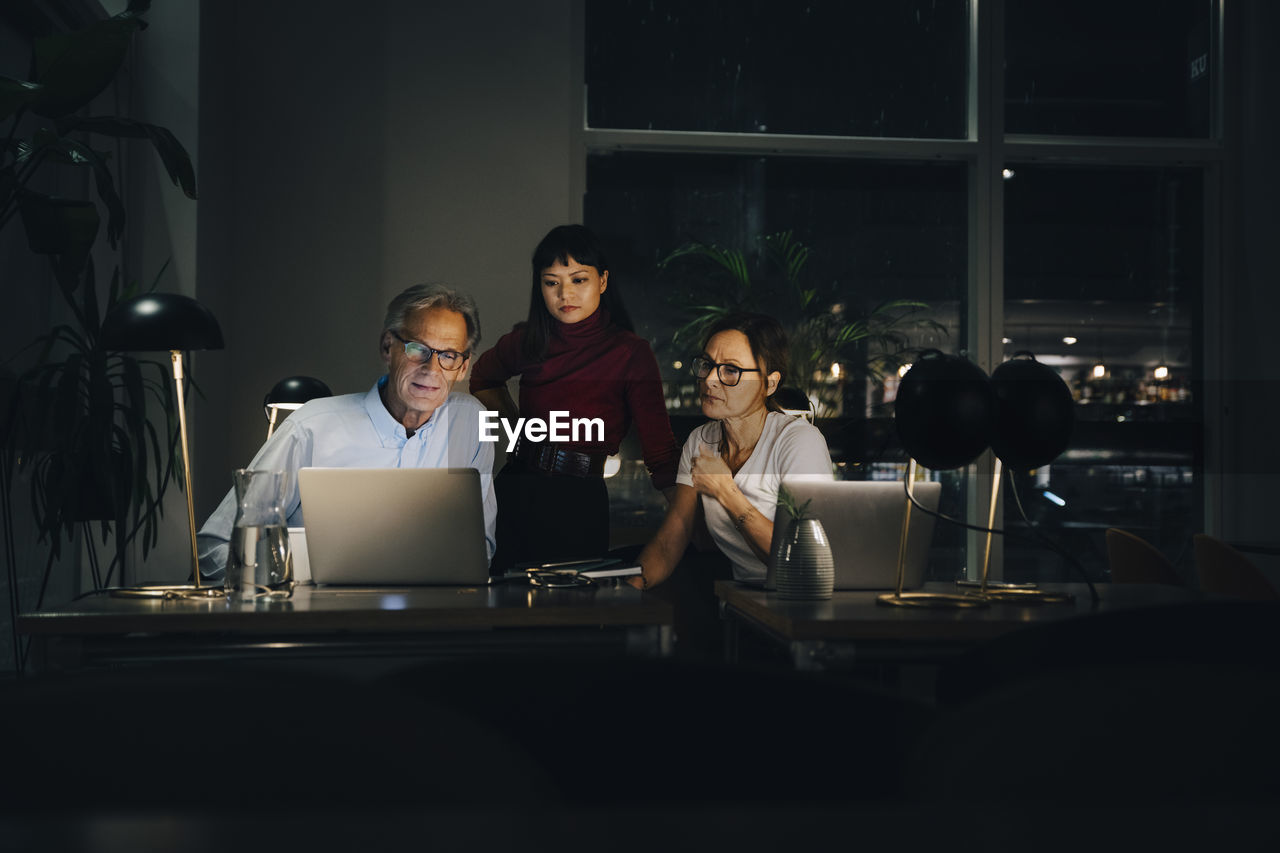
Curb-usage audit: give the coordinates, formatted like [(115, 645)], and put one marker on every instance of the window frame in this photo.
[(985, 150)]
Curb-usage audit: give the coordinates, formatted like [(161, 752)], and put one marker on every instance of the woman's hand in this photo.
[(712, 477), (659, 557)]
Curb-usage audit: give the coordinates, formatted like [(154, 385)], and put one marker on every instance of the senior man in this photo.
[(409, 419)]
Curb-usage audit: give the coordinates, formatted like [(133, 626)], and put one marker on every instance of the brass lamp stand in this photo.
[(996, 591), (1034, 418), (898, 598), (176, 323), (943, 413)]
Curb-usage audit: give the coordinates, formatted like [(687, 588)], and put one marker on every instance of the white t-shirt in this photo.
[(788, 447)]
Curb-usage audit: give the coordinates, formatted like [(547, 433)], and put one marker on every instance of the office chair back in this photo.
[(1133, 559), (1225, 571)]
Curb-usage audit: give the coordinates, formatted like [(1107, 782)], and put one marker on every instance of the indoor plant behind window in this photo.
[(821, 326)]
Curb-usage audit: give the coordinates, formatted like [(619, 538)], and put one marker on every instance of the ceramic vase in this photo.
[(805, 568)]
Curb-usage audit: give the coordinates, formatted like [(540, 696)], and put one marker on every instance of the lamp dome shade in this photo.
[(944, 411), (293, 391), (160, 321), (1035, 413), (791, 399)]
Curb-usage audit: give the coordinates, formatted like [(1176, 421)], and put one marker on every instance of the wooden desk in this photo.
[(852, 628), (322, 622)]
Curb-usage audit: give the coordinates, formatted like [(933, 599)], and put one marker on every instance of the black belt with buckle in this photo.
[(551, 459)]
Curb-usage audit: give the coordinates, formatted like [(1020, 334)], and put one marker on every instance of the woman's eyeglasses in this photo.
[(729, 374), (421, 354)]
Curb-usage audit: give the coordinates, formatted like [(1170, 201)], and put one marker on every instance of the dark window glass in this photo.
[(1109, 68), (1103, 271), (875, 231), (865, 68)]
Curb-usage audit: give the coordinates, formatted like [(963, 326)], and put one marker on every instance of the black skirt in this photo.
[(545, 518)]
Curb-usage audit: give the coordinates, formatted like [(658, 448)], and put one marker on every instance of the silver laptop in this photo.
[(863, 521), (394, 526)]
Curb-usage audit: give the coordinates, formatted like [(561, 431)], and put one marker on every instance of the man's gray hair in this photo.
[(421, 296)]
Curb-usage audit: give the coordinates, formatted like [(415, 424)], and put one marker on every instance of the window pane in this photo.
[(830, 67), (1107, 68), (874, 231), (1112, 259)]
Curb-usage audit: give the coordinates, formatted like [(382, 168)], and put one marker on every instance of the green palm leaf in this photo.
[(721, 281)]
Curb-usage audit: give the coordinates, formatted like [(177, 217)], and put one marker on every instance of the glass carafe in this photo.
[(258, 562)]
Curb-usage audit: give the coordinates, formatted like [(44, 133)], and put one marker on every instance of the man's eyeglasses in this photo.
[(730, 374), (421, 354)]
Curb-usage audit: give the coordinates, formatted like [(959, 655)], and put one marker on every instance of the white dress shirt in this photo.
[(357, 431)]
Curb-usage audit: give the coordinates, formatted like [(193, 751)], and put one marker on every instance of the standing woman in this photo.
[(576, 353)]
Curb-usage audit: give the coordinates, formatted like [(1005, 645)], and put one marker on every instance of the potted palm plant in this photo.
[(74, 425), (820, 325)]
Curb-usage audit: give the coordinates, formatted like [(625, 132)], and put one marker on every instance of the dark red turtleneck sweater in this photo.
[(593, 369)]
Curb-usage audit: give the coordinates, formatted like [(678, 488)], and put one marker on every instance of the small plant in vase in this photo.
[(796, 511), (805, 568)]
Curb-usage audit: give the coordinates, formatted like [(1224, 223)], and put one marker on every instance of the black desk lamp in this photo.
[(1034, 417), (177, 323), (290, 393), (793, 401), (943, 412)]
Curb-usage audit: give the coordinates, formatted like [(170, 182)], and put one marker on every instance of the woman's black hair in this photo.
[(768, 344), (562, 243)]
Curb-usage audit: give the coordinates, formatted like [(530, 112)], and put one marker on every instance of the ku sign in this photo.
[(1199, 67)]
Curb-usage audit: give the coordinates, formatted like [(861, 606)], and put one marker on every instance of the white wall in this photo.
[(162, 88), (165, 90), (348, 152)]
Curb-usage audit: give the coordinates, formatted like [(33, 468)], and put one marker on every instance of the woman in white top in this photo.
[(730, 468)]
